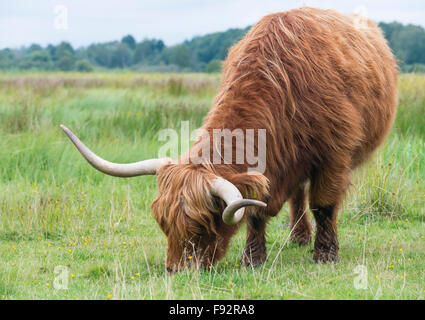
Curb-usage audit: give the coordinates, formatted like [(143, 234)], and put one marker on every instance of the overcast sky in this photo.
[(81, 22)]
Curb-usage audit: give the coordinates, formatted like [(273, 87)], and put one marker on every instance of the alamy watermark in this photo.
[(60, 21), (217, 146), (360, 282), (61, 279), (361, 17)]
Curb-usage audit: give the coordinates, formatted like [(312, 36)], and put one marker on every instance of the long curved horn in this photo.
[(235, 202), (146, 167)]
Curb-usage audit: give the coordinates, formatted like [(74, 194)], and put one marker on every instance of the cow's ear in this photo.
[(251, 185)]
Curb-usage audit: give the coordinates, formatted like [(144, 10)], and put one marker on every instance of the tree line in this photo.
[(200, 54)]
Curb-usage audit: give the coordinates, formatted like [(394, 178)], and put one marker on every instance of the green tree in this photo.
[(40, 60), (201, 53), (7, 59), (35, 47), (213, 66), (407, 42), (215, 45), (64, 56), (64, 48), (121, 56), (51, 49), (84, 66), (143, 51), (179, 55), (147, 49), (130, 41), (100, 54), (65, 63)]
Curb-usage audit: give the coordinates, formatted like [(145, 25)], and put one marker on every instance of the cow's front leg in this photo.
[(255, 250)]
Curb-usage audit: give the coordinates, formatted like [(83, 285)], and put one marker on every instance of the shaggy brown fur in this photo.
[(325, 91)]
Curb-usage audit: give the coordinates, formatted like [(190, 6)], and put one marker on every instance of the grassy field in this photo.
[(55, 210)]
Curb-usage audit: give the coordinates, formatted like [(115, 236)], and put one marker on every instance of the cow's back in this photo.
[(319, 81)]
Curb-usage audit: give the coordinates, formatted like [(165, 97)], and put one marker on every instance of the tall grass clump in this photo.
[(391, 185)]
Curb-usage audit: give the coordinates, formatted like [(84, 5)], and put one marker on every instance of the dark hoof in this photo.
[(325, 256), (253, 261), (303, 239)]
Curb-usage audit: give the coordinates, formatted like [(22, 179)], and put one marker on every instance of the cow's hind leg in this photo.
[(255, 250), (300, 224), (326, 193)]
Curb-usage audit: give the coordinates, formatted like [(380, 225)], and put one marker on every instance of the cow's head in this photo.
[(196, 209)]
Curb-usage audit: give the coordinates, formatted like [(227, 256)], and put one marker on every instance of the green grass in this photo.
[(55, 210)]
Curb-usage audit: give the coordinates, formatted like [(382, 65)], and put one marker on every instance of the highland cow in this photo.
[(323, 86)]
